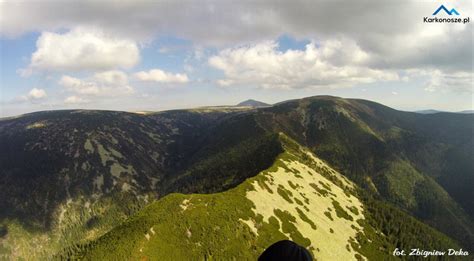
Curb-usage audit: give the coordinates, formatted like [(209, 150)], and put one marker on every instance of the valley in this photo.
[(326, 172)]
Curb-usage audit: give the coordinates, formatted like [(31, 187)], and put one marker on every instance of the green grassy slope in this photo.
[(423, 164), (300, 197), (68, 177)]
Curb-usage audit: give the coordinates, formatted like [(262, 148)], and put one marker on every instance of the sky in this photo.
[(134, 55)]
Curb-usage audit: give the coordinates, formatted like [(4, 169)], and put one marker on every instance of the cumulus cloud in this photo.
[(79, 86), (331, 64), (75, 100), (108, 83), (373, 24), (34, 95), (157, 75), (117, 78), (461, 82), (82, 49), (391, 34), (229, 21)]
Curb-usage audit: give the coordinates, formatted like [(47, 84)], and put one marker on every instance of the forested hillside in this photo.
[(299, 198), (67, 178)]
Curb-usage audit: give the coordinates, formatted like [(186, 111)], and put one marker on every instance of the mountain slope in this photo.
[(69, 177), (422, 163), (300, 197)]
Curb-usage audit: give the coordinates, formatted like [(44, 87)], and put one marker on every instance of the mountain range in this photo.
[(436, 111), (226, 182)]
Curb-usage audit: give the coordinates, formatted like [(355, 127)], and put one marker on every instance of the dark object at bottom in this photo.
[(285, 250)]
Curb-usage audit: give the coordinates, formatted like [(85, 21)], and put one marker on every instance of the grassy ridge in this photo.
[(106, 163), (228, 225), (423, 164)]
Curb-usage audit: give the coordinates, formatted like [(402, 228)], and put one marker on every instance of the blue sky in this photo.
[(144, 55)]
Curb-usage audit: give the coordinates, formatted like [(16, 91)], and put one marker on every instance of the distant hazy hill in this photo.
[(467, 111), (253, 103), (436, 111), (69, 177), (428, 111)]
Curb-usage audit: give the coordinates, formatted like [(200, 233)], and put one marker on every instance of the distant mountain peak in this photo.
[(253, 103), (429, 111), (467, 111)]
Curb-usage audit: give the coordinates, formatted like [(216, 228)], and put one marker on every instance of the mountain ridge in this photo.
[(251, 101), (109, 165), (295, 182)]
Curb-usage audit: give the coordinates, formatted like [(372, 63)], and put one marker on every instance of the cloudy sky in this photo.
[(155, 55)]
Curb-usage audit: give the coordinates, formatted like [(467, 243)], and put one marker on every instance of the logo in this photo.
[(446, 20), (442, 7)]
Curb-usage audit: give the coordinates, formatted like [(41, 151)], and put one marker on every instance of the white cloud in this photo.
[(438, 80), (82, 49), (75, 100), (36, 94), (117, 78), (392, 30), (157, 75), (390, 34), (333, 63), (108, 83), (79, 86)]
